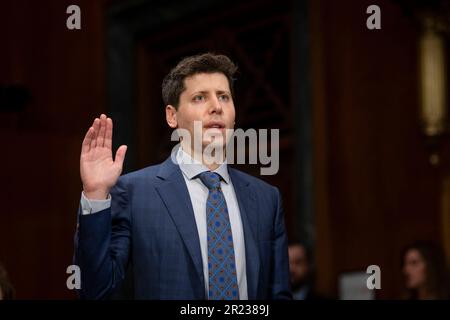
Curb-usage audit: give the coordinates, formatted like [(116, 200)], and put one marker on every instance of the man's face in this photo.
[(298, 265), (414, 269), (206, 98)]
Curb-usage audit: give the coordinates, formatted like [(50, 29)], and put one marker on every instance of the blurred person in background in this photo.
[(301, 269), (425, 272), (6, 289)]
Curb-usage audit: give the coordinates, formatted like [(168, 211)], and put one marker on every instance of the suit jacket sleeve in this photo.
[(102, 245), (280, 286)]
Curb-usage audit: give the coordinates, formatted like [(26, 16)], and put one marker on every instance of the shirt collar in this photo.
[(192, 167)]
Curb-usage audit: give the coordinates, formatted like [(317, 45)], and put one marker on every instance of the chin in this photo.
[(213, 144)]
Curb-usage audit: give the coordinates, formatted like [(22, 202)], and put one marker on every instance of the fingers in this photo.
[(96, 127), (102, 131), (99, 134), (85, 147), (108, 133), (120, 155)]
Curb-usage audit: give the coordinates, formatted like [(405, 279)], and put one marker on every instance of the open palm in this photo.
[(99, 172)]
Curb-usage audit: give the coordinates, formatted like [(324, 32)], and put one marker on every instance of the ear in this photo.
[(171, 116)]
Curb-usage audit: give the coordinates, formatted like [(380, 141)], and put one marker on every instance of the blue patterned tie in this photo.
[(221, 263)]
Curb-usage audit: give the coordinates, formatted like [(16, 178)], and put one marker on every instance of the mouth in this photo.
[(215, 125)]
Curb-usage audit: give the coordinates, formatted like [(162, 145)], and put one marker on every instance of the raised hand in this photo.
[(98, 171)]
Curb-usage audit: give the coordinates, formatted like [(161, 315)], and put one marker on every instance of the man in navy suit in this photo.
[(187, 228)]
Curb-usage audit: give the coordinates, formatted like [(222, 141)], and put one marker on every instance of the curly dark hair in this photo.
[(173, 83)]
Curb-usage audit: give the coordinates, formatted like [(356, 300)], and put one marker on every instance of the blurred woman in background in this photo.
[(6, 289), (425, 271)]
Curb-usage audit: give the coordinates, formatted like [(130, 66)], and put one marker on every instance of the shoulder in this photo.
[(150, 171), (145, 175)]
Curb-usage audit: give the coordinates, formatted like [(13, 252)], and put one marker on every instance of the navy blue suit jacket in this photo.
[(151, 228)]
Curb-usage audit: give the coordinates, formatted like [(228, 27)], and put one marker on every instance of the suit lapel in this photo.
[(175, 195), (248, 209)]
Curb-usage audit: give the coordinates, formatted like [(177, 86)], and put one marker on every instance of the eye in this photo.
[(224, 97), (198, 98)]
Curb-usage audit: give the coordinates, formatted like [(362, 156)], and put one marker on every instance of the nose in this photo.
[(216, 106), (405, 271)]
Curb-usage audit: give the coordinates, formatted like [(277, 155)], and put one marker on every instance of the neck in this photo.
[(208, 161), (211, 165), (424, 294)]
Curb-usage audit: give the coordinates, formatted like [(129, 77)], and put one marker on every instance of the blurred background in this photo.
[(364, 145)]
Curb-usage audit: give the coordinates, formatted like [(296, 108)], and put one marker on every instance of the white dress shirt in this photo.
[(198, 194)]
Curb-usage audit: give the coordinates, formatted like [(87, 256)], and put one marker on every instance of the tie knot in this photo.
[(210, 179)]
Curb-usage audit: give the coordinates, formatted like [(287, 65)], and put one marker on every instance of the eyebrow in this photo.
[(207, 92)]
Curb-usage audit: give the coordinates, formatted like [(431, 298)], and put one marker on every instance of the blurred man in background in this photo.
[(301, 270)]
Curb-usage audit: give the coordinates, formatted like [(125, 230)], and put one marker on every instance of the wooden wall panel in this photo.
[(375, 190), (64, 72)]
